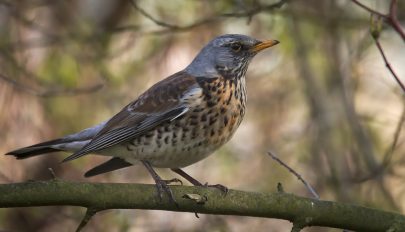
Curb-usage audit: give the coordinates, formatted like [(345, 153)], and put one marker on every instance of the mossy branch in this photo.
[(102, 196)]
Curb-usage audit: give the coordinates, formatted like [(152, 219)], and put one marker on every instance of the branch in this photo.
[(179, 28), (375, 30), (387, 63), (51, 92), (369, 9), (296, 174), (391, 18), (101, 196)]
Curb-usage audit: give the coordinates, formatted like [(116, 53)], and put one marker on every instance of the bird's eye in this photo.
[(236, 47)]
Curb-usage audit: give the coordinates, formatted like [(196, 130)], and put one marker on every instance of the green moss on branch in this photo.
[(101, 196)]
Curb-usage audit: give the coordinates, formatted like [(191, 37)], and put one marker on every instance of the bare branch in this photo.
[(390, 18), (369, 9), (50, 92), (90, 212), (308, 186), (393, 19), (103, 196), (148, 16), (179, 28), (387, 64)]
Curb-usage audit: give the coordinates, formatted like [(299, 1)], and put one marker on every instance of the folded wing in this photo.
[(161, 103)]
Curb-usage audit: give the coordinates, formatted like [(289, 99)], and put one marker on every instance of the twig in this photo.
[(178, 28), (308, 186), (369, 9), (150, 17), (387, 64), (50, 92), (90, 212), (391, 18), (169, 28)]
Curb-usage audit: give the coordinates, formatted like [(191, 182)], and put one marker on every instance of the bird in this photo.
[(176, 122)]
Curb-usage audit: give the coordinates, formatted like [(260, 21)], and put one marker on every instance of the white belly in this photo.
[(163, 156)]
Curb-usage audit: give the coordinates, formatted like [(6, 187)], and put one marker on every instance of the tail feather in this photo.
[(37, 149)]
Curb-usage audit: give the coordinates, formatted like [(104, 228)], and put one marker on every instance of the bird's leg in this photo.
[(161, 185), (198, 183), (187, 177)]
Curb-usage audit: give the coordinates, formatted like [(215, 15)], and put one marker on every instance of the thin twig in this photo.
[(390, 18), (393, 19), (308, 186), (50, 92), (387, 64), (370, 10), (150, 17), (178, 28), (90, 212), (169, 28)]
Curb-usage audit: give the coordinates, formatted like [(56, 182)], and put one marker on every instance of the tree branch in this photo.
[(170, 28), (51, 92), (391, 18), (305, 211), (369, 9), (387, 63), (296, 174)]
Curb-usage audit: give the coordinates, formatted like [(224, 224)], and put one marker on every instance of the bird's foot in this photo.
[(198, 183), (222, 188), (162, 187)]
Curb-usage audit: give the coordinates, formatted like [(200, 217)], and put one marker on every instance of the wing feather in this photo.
[(161, 103)]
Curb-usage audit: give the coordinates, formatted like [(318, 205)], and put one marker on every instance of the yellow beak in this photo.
[(264, 45)]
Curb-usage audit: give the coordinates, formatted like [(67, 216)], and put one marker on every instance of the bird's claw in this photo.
[(162, 187), (174, 180), (222, 188)]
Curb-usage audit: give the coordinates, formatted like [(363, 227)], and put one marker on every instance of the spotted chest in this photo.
[(217, 108), (224, 108)]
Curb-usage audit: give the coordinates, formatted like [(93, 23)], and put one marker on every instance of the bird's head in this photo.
[(227, 55)]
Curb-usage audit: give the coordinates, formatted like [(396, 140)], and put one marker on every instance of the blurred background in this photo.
[(322, 100)]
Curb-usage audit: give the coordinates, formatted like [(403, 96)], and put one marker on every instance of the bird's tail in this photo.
[(37, 149)]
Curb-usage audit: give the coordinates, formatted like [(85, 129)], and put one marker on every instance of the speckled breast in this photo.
[(195, 135)]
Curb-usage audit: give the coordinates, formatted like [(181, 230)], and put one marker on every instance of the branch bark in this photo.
[(299, 210)]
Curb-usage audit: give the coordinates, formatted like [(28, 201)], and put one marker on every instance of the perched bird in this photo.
[(177, 122)]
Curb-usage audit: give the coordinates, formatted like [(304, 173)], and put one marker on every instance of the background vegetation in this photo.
[(322, 100)]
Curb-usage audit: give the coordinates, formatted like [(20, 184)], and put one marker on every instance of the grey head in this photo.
[(227, 55)]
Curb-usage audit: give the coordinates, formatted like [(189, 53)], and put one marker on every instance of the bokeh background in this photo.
[(322, 100)]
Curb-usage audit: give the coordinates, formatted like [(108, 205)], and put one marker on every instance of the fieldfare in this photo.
[(175, 123)]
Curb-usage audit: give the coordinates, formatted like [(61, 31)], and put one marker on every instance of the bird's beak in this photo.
[(263, 45)]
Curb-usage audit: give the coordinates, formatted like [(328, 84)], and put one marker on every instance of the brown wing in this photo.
[(161, 103)]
